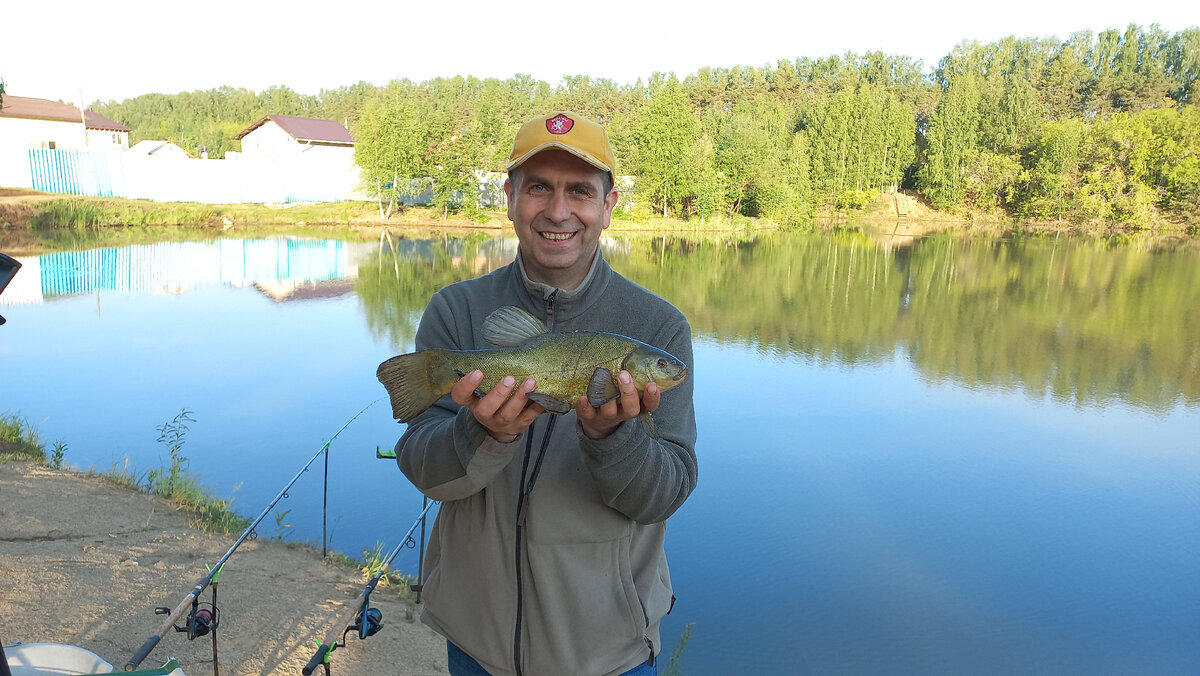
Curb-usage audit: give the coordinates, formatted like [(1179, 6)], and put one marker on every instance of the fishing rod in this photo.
[(202, 620), (362, 617)]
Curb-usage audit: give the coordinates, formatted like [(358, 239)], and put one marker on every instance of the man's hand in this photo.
[(600, 421), (503, 417)]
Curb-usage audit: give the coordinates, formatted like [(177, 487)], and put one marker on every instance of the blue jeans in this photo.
[(462, 664)]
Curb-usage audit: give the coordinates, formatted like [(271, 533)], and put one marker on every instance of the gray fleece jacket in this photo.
[(547, 556)]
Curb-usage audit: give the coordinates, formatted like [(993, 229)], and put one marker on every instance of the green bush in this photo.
[(854, 199)]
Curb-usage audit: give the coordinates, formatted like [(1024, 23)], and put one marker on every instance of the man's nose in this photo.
[(558, 210)]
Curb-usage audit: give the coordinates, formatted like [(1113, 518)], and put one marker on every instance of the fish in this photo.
[(566, 366)]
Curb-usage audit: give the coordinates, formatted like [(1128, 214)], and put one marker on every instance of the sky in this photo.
[(72, 50)]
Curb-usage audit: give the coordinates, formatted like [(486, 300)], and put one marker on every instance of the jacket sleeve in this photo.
[(445, 452), (643, 477)]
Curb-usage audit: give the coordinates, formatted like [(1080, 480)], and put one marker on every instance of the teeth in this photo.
[(557, 236)]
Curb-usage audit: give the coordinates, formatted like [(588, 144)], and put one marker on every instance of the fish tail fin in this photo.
[(415, 381)]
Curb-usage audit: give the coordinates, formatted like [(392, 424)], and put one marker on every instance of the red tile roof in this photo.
[(38, 109), (305, 129), (42, 109), (95, 120)]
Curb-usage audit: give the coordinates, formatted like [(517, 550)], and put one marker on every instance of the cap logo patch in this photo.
[(559, 124)]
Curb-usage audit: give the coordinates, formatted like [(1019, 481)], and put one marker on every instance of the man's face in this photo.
[(558, 206)]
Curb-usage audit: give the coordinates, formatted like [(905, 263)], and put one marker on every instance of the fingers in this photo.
[(651, 397), (463, 392), (631, 403), (505, 410), (600, 421)]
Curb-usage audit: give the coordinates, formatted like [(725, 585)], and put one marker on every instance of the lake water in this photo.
[(963, 456)]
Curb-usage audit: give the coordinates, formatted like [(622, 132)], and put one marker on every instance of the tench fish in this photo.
[(566, 366)]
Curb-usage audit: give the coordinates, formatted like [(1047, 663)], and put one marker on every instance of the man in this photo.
[(570, 578)]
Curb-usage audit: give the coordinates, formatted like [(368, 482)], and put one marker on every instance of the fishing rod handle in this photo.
[(317, 658), (142, 652), (166, 626)]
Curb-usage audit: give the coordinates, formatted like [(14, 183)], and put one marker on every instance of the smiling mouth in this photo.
[(557, 236)]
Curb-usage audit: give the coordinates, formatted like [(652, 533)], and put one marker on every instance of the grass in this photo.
[(19, 441), (177, 485), (372, 562), (672, 668), (85, 213), (73, 213)]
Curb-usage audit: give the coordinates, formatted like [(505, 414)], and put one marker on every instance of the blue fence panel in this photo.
[(74, 172)]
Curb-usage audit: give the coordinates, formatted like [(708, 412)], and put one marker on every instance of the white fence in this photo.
[(124, 174)]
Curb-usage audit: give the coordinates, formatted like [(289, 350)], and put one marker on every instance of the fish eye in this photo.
[(662, 363)]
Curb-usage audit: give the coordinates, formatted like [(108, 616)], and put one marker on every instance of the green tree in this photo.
[(1052, 176), (991, 180), (663, 135), (862, 138), (1183, 64), (1066, 79), (391, 146), (953, 132)]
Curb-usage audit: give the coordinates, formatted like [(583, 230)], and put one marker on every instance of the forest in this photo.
[(1095, 128)]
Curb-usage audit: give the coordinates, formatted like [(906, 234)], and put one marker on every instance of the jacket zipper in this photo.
[(550, 310), (522, 513), (520, 535), (523, 504)]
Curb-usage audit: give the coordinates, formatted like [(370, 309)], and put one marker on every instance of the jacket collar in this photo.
[(571, 303)]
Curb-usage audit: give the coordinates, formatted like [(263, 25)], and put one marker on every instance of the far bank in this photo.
[(29, 220)]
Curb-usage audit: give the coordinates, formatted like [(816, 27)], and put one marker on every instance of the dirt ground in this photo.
[(84, 562)]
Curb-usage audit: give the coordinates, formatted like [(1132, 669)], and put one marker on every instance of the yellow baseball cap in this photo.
[(566, 130)]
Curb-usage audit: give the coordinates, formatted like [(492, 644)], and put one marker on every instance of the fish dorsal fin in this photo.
[(509, 326)]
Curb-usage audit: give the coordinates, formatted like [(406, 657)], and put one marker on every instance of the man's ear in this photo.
[(508, 194), (610, 202)]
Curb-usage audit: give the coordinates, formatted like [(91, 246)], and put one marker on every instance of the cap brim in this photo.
[(560, 146)]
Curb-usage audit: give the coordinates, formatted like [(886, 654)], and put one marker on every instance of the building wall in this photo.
[(267, 142), (271, 142), (99, 139), (22, 134)]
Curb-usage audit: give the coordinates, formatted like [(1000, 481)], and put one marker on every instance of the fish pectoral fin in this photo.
[(510, 326), (601, 388), (549, 403)]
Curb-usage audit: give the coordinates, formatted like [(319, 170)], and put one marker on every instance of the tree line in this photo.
[(1095, 127)]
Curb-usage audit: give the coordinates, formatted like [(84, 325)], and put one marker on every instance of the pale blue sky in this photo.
[(65, 50)]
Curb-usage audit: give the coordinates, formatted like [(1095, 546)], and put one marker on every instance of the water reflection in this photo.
[(1077, 320), (1080, 321)]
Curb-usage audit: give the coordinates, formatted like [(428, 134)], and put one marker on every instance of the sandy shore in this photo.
[(84, 561)]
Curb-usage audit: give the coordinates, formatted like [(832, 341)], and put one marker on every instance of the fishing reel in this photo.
[(200, 621), (366, 623)]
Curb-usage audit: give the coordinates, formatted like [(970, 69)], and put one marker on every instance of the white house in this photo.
[(38, 123), (283, 137), (314, 156), (31, 124), (103, 133), (158, 149)]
